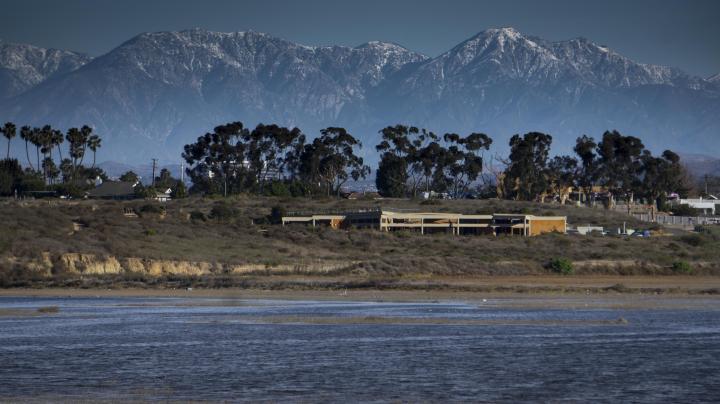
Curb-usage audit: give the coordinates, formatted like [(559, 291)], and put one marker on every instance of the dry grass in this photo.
[(31, 228)]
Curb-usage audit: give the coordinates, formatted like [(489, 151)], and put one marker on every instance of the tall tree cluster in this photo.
[(617, 164), (414, 159), (270, 158), (44, 170)]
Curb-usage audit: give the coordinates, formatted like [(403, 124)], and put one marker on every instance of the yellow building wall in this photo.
[(540, 226)]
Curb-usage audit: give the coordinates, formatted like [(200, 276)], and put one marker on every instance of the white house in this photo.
[(163, 196), (707, 206)]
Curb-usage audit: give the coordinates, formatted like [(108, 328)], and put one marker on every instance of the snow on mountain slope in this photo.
[(24, 66), (161, 90)]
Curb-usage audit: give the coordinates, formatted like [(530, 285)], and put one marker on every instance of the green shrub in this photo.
[(695, 240), (196, 215), (561, 265), (276, 214), (299, 189), (223, 212), (142, 191), (712, 232), (152, 208), (179, 191), (681, 267), (150, 232), (277, 188), (684, 210)]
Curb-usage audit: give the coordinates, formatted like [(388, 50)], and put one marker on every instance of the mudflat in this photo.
[(540, 291)]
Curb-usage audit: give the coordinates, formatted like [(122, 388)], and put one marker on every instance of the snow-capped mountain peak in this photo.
[(25, 66), (163, 89)]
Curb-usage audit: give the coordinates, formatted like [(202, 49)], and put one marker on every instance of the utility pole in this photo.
[(153, 174)]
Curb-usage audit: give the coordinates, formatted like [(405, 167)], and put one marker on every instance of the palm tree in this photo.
[(85, 132), (26, 134), (9, 131), (50, 170), (58, 138), (93, 144), (35, 139), (47, 143)]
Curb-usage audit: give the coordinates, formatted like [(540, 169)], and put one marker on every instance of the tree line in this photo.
[(67, 173), (617, 165), (271, 159), (275, 160)]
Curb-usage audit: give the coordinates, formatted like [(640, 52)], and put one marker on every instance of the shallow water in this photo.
[(214, 349)]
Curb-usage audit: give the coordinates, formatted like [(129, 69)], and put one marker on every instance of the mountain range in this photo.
[(158, 91)]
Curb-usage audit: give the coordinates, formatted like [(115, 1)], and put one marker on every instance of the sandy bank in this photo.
[(570, 291)]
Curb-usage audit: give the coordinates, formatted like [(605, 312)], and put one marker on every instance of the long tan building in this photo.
[(430, 222)]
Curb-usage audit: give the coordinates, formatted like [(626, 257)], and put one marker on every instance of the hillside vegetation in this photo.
[(233, 238)]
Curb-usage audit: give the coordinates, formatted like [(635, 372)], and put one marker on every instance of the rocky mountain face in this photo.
[(25, 66), (158, 91), (503, 82)]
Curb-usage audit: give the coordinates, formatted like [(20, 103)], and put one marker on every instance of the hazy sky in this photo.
[(682, 33)]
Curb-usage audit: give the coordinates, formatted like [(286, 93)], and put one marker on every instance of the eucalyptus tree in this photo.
[(217, 160), (588, 170), (526, 175), (431, 162), (563, 176), (397, 153), (620, 163), (401, 170), (661, 175), (272, 149), (330, 160), (462, 161)]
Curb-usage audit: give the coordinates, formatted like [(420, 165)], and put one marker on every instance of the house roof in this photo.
[(113, 189)]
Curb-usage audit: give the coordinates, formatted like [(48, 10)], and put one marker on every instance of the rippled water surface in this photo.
[(214, 349)]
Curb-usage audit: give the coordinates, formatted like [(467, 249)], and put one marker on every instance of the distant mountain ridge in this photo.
[(158, 91), (24, 66)]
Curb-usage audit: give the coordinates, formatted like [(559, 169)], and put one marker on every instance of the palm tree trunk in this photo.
[(27, 153), (93, 166), (8, 151), (83, 157)]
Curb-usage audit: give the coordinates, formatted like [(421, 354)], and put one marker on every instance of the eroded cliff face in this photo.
[(92, 264), (47, 265)]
